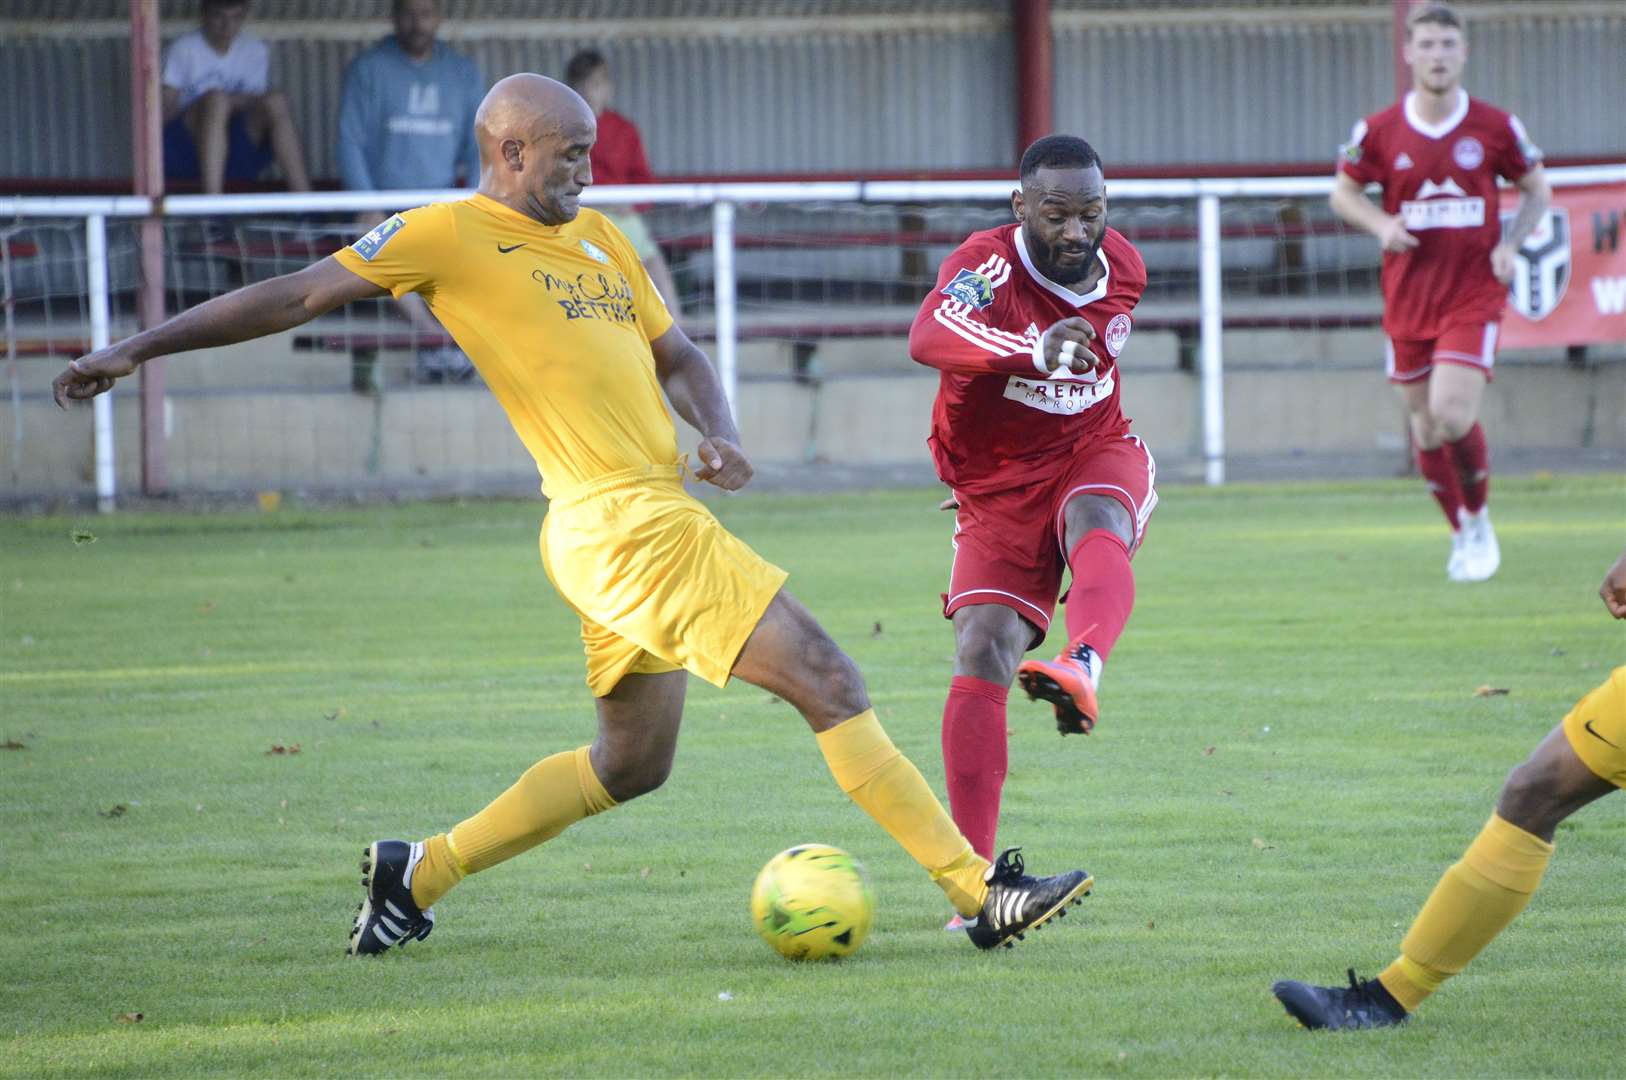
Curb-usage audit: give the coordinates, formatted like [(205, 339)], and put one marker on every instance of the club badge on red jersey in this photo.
[(1117, 334)]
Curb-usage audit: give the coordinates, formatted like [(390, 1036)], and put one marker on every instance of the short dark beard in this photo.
[(1050, 270)]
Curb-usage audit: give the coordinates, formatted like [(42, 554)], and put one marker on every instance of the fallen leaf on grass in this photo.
[(118, 810), (82, 536), (1262, 846), (206, 608), (1208, 751), (877, 631), (337, 714), (644, 873), (1151, 924), (279, 749), (131, 1018), (1491, 691), (12, 744)]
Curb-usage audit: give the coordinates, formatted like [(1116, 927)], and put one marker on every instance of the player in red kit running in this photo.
[(1446, 262), (1025, 325)]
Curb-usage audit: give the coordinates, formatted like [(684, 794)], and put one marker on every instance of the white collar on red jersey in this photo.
[(1443, 128), (1074, 298)]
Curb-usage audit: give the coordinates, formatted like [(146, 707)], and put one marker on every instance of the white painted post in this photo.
[(722, 250), (100, 330), (1213, 358)]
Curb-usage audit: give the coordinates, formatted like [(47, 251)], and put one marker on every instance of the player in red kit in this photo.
[(1446, 262), (1025, 325)]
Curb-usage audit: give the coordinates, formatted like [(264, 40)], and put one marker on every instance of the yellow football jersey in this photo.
[(558, 319)]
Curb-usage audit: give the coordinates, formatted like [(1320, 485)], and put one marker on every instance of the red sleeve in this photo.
[(1359, 158), (958, 326), (1518, 155)]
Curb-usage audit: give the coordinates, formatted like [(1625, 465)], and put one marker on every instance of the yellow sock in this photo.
[(554, 794), (437, 872), (891, 790), (1473, 902)]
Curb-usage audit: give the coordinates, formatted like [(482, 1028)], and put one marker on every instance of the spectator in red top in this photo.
[(618, 158)]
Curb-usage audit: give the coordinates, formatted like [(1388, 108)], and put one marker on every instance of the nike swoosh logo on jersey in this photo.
[(506, 250), (1593, 732)]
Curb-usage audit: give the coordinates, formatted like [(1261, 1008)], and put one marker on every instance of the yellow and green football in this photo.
[(813, 902)]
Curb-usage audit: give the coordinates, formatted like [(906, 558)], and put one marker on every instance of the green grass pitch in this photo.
[(1291, 752)]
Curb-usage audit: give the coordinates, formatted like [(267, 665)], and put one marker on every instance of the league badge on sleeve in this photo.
[(371, 244), (1351, 151), (971, 288)]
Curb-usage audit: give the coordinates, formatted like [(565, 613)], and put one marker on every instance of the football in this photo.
[(813, 902)]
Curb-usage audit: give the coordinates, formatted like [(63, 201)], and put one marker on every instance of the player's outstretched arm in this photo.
[(253, 311), (1613, 589), (692, 386), (1349, 201)]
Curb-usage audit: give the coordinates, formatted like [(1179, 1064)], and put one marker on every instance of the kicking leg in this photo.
[(1099, 534), (790, 655), (637, 737)]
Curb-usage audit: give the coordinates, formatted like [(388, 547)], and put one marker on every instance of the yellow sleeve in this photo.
[(406, 253), (653, 317)]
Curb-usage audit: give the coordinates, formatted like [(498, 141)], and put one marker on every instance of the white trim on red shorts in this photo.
[(1487, 352), (1485, 360), (1142, 513), (1042, 620)]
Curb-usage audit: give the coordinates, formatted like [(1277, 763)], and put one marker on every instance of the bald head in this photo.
[(534, 134), (527, 106)]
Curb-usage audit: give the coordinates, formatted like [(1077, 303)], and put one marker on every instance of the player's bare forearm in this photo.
[(251, 312), (1350, 203), (1536, 195), (692, 386)]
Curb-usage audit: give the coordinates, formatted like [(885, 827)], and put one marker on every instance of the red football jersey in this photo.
[(1441, 179), (1000, 420)]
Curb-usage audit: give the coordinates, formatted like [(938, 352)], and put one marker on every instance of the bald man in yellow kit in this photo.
[(555, 309)]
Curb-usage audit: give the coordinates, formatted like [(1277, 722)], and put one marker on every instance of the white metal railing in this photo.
[(1207, 192)]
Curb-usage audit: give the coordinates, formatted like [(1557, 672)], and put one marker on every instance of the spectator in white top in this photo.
[(221, 119)]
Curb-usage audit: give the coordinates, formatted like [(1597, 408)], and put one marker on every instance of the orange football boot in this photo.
[(1064, 682)]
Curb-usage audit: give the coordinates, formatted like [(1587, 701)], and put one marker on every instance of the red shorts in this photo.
[(1471, 344), (1008, 545)]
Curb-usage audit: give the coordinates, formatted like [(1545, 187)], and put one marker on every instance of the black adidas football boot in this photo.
[(387, 916), (1017, 903)]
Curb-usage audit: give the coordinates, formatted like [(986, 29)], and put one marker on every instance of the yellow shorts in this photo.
[(631, 224), (1597, 729), (658, 582)]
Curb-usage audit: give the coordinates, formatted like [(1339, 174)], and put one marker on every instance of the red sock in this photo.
[(1443, 484), (1471, 457), (1102, 592), (974, 757)]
